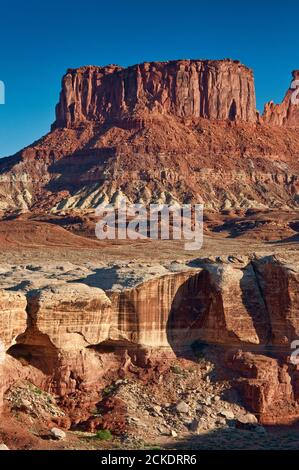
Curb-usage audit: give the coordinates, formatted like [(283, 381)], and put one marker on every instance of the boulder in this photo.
[(58, 434), (182, 407)]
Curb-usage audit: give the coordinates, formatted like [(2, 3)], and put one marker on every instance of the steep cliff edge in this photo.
[(76, 334), (186, 89)]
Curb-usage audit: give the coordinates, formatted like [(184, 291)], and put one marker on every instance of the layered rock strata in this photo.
[(166, 132), (186, 88), (73, 334)]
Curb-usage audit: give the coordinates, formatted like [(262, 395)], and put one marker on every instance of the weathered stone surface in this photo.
[(279, 282), (63, 320), (248, 418), (141, 314), (13, 317), (250, 302), (72, 316), (75, 333), (227, 414), (224, 305), (13, 322), (182, 407), (58, 434), (266, 386), (185, 88), (285, 114)]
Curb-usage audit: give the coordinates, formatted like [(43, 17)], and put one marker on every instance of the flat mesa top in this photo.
[(115, 67)]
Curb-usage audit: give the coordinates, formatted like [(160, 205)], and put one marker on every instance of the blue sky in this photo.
[(40, 40)]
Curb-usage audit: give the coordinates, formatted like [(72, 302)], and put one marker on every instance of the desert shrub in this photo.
[(108, 390), (104, 435), (176, 369)]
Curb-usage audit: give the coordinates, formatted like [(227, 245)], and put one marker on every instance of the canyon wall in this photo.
[(69, 336), (218, 90)]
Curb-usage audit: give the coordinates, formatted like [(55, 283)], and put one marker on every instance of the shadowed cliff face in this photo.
[(185, 88), (75, 333), (249, 303)]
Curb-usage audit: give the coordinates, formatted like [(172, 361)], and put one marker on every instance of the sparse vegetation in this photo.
[(95, 412), (108, 390), (104, 435), (176, 369)]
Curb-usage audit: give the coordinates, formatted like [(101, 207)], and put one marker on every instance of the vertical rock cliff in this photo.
[(220, 90)]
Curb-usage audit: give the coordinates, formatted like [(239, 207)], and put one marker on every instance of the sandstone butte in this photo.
[(185, 131), (159, 132)]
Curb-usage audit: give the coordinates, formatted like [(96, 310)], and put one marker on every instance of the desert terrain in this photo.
[(141, 344)]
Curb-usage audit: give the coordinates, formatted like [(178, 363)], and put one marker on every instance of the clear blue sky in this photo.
[(39, 40)]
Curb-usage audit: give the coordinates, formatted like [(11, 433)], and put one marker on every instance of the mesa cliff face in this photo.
[(167, 132), (221, 90)]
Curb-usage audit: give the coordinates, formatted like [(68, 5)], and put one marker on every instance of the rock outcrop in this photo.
[(76, 334), (13, 322), (225, 306), (141, 314), (13, 317), (233, 302), (266, 386), (222, 90), (279, 283), (167, 132), (72, 316), (285, 114)]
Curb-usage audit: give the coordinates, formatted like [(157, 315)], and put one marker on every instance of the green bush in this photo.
[(104, 435), (176, 369), (108, 390), (94, 412)]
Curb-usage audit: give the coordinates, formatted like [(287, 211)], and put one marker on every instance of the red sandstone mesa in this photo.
[(176, 131), (186, 88)]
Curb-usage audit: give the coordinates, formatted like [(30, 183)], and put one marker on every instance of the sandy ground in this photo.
[(159, 251)]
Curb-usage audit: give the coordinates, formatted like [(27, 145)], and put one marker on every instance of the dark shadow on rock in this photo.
[(86, 166), (253, 300), (103, 278), (280, 437), (186, 316), (292, 239)]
